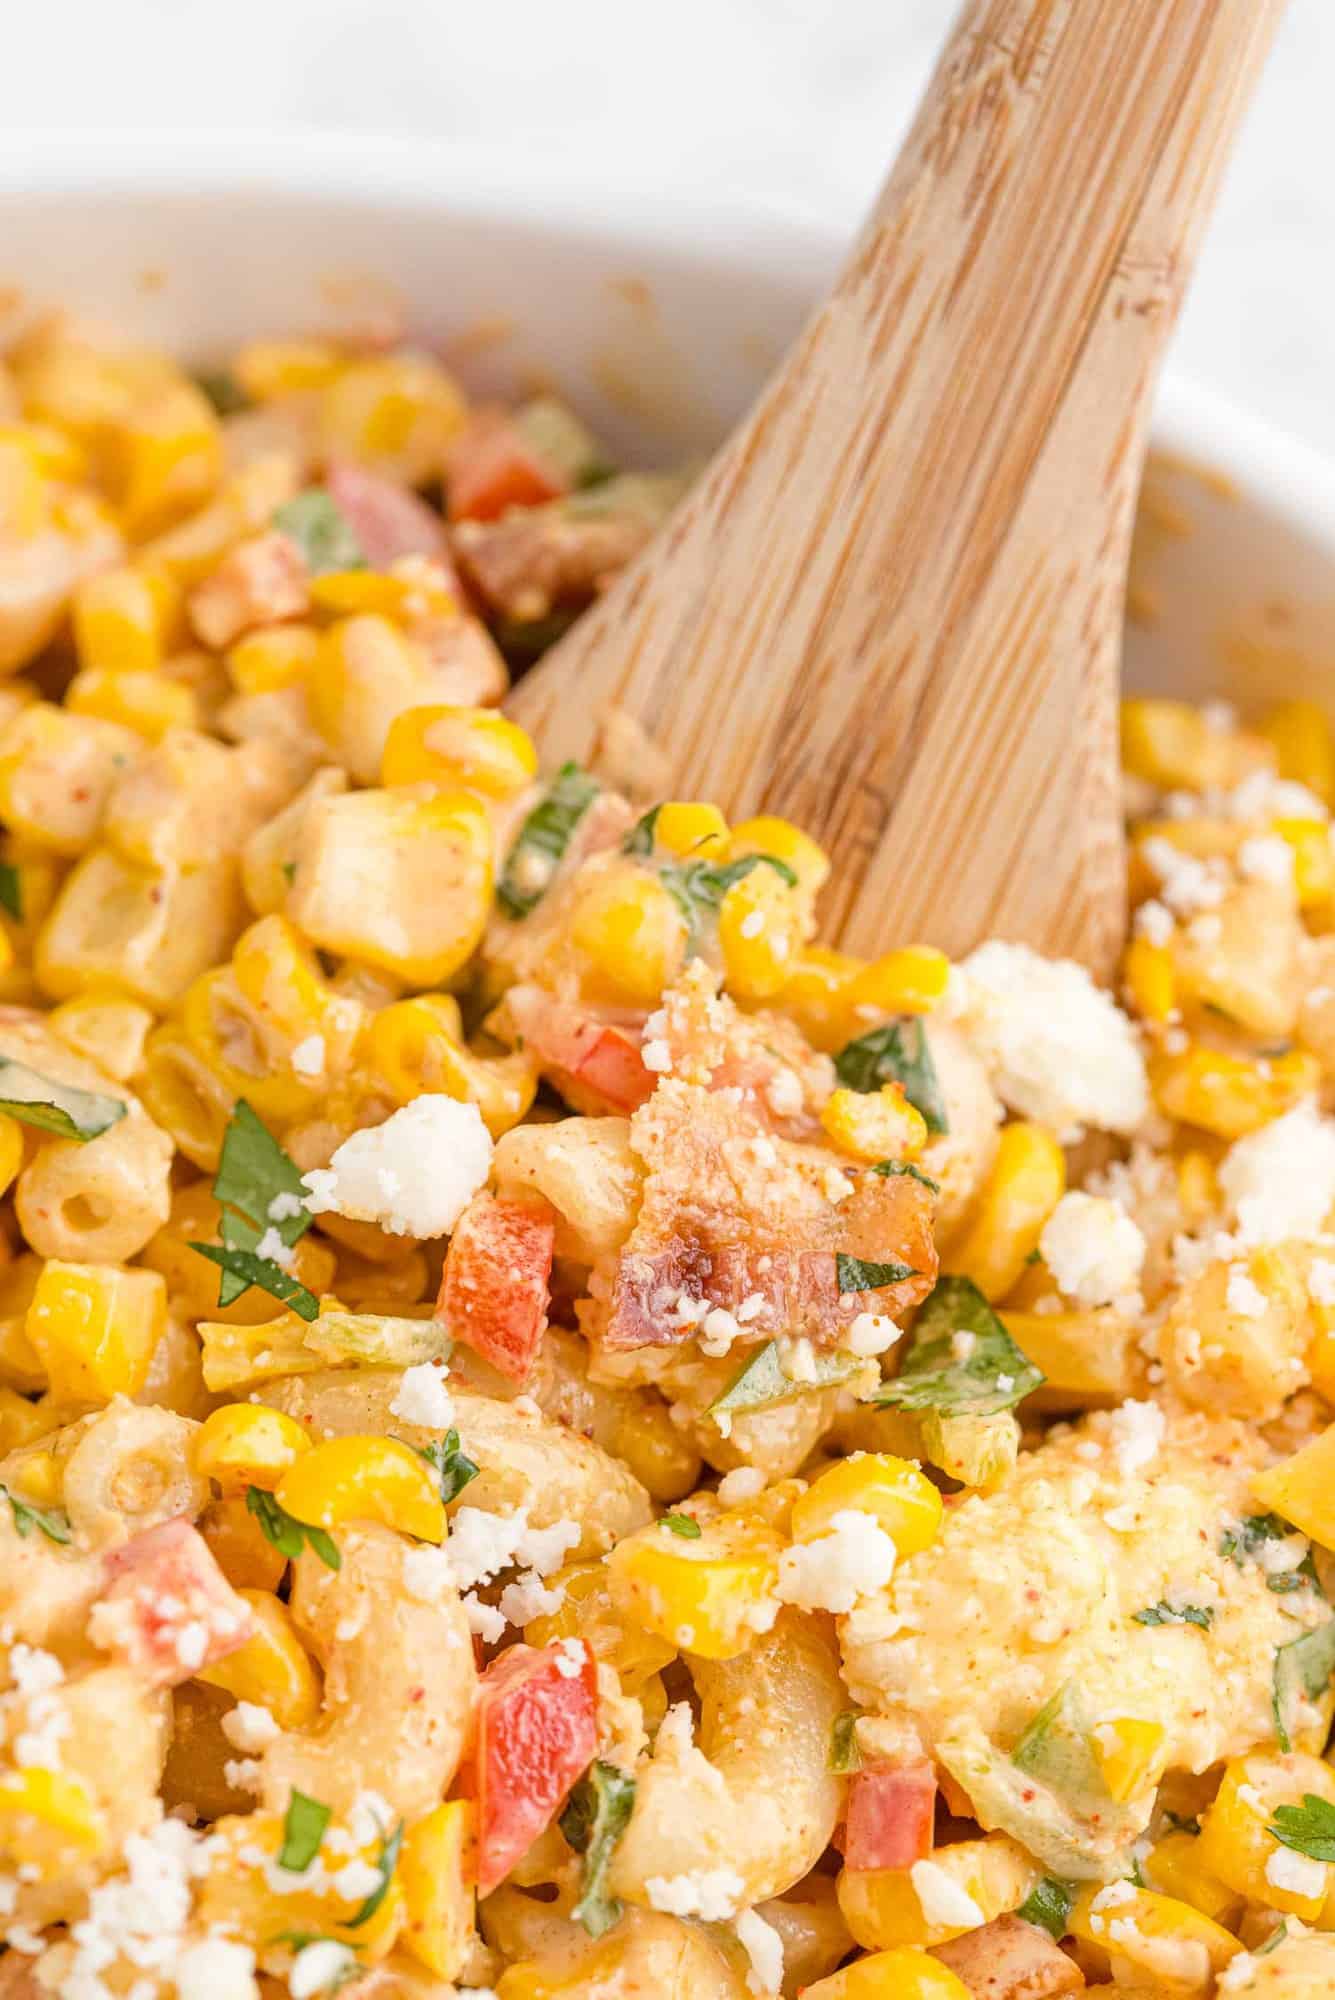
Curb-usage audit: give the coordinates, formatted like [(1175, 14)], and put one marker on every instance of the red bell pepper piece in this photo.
[(536, 1734)]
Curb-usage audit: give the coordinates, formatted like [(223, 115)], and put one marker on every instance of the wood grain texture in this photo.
[(891, 606)]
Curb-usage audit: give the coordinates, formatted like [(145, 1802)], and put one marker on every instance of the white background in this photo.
[(800, 100)]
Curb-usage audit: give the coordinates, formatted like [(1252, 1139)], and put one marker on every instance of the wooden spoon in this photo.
[(891, 607)]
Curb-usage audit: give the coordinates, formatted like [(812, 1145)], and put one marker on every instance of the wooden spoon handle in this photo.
[(891, 607)]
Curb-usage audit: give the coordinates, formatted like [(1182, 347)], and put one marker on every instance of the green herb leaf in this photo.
[(254, 1173), (1049, 1905), (992, 1375), (595, 1817), (888, 1168), (640, 840), (289, 1535), (320, 530), (242, 1269), (1303, 1667), (223, 391), (684, 1525), (698, 889), (303, 1830), (54, 1522), (386, 1861), (760, 1381), (1055, 1749), (1308, 1829), (1246, 1542), (543, 839), (55, 1107), (1163, 1613), (1274, 1941), (453, 1468), (854, 1274), (11, 891), (845, 1756), (896, 1052)]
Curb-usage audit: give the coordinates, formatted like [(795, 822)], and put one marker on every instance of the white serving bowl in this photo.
[(658, 312)]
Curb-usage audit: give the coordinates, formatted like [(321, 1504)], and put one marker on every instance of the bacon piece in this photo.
[(1009, 1959), (256, 583), (536, 1732), (891, 1810), (168, 1610), (493, 1290), (491, 467), (388, 520), (596, 1065), (536, 559)]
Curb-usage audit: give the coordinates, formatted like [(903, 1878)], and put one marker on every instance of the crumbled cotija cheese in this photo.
[(832, 1571), (1297, 1874), (414, 1175), (943, 1902), (1243, 1295), (764, 1947), (1092, 1248), (1267, 857), (308, 1057), (250, 1728), (1058, 1049), (318, 1967), (1280, 1181), (422, 1398), (712, 1894), (215, 1969), (1138, 1430), (744, 1482), (1187, 884)]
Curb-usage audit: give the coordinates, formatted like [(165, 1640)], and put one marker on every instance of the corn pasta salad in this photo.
[(560, 1440)]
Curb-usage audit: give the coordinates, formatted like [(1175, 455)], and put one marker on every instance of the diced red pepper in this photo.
[(595, 1064), (891, 1809), (387, 519), (536, 1734), (168, 1610), (493, 467), (493, 1290)]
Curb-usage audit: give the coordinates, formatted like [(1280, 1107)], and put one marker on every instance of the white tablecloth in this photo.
[(798, 99)]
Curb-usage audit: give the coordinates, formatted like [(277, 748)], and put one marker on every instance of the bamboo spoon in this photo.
[(891, 607)]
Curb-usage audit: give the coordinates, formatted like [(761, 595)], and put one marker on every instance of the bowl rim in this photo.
[(538, 187)]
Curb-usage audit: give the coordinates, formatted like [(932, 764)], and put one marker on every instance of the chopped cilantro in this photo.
[(54, 1522), (1245, 1542), (289, 1535), (303, 1830), (543, 839), (55, 1107), (593, 1821), (761, 1380), (453, 1468), (684, 1525), (845, 1756), (242, 1268), (887, 1168), (1049, 1905), (223, 391), (896, 1052), (323, 533), (1163, 1613), (1302, 1668), (386, 1861), (1308, 1829), (258, 1188), (984, 1374), (855, 1274)]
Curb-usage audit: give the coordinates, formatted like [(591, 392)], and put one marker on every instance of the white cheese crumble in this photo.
[(1187, 884), (414, 1175), (1267, 857), (1243, 1295), (1138, 1431), (1154, 920), (272, 1247), (1280, 1181), (744, 1482), (1321, 1281), (318, 1967), (855, 1559), (764, 1947), (1297, 1874), (308, 1057), (1057, 1048), (250, 1728), (215, 1969), (712, 1894), (656, 1056), (943, 1902), (284, 1206), (1093, 1249), (422, 1398), (871, 1333)]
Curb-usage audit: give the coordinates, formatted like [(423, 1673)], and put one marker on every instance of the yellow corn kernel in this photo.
[(910, 980), (267, 369), (1302, 1488), (95, 1327), (1197, 1186), (815, 995), (414, 590), (881, 1905), (365, 1479), (627, 926), (765, 834), (436, 1871), (417, 1045), (656, 1450), (235, 1895), (238, 1355), (11, 1151), (1313, 859), (874, 1124), (1231, 1095), (1173, 1867), (1150, 979), (1180, 1949), (895, 1491), (761, 928), (707, 1596), (887, 1975), (477, 748), (40, 1477), (54, 453), (275, 656), (240, 1547), (1086, 1358), (395, 414), (48, 1820), (280, 976), (1129, 1754), (227, 1034), (148, 703), (588, 1610), (107, 1028), (273, 1668), (192, 1280), (1173, 745), (117, 623), (247, 1444), (20, 1364), (1301, 734), (21, 1422), (1235, 1844), (429, 854), (691, 828), (23, 487), (1027, 1180), (366, 671), (169, 458)]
